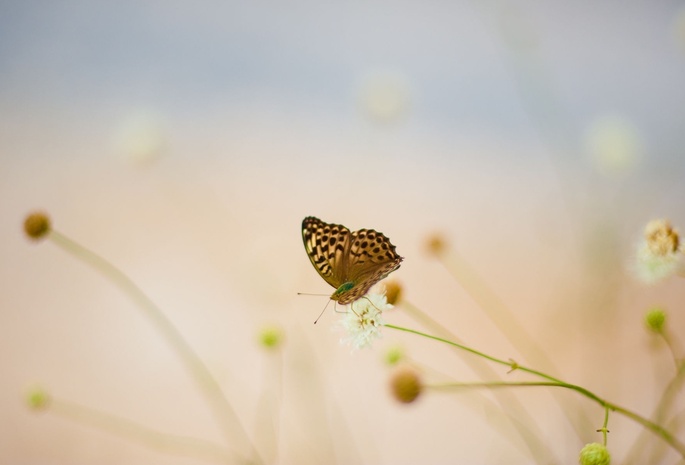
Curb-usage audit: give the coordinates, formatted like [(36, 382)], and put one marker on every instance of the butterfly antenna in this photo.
[(320, 314), (317, 295)]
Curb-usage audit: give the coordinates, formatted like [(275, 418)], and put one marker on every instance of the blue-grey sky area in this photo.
[(466, 62)]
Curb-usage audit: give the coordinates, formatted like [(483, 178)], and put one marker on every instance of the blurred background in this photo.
[(185, 142)]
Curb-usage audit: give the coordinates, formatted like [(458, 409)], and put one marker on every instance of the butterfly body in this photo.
[(350, 261)]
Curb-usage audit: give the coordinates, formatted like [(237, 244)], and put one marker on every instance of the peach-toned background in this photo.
[(186, 142)]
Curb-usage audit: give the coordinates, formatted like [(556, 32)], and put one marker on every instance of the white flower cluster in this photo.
[(363, 320), (659, 255)]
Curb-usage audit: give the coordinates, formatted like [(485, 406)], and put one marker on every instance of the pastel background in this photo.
[(186, 141)]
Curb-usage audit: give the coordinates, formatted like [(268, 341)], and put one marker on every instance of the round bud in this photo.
[(436, 244), (406, 385), (271, 337), (655, 319), (394, 355), (38, 399), (37, 225), (594, 454), (393, 292)]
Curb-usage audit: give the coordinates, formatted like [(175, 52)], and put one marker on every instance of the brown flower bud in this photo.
[(406, 385), (436, 244), (393, 292), (37, 225)]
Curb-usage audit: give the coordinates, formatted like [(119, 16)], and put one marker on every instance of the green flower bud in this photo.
[(594, 454), (271, 337), (655, 319), (394, 355), (38, 399)]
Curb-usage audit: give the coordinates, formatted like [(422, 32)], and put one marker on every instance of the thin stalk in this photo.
[(510, 405), (493, 306), (655, 428), (216, 398), (510, 364), (270, 406), (605, 426), (169, 443), (676, 352), (504, 319)]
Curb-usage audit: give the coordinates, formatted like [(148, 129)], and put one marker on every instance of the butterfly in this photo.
[(350, 261)]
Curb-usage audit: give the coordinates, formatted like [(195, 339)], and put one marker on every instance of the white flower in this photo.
[(142, 137), (614, 144), (659, 255), (385, 96), (363, 320)]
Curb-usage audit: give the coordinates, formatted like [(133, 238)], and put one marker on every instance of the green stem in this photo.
[(496, 384), (506, 321), (515, 412), (605, 426), (510, 364), (650, 425), (209, 386), (493, 306)]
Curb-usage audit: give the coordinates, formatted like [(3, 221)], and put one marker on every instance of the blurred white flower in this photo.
[(384, 96), (363, 320), (614, 144), (659, 254), (141, 137)]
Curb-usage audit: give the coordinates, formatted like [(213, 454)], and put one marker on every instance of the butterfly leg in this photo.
[(335, 308), (352, 309), (372, 304)]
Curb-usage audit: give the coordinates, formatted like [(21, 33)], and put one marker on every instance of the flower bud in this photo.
[(37, 225), (38, 399), (655, 319), (394, 355), (406, 385), (594, 454), (436, 244), (271, 337), (393, 292)]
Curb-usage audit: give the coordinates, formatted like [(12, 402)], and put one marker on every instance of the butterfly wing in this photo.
[(371, 257), (326, 245)]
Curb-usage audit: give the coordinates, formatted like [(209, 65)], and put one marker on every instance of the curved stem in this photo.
[(650, 425), (495, 309), (508, 363), (208, 384), (521, 420), (173, 444), (672, 345)]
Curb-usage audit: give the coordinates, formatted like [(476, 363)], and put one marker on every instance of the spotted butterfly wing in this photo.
[(351, 262)]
